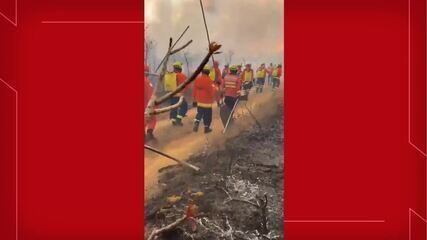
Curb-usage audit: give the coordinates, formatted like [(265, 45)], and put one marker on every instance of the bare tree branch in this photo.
[(169, 227), (182, 34), (181, 48), (168, 108), (156, 99), (183, 163), (214, 47), (151, 104), (243, 201), (188, 65), (263, 205)]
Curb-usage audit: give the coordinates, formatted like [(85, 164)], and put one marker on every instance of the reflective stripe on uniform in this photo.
[(230, 85), (204, 105)]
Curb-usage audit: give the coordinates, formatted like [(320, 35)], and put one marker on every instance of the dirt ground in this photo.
[(238, 193)]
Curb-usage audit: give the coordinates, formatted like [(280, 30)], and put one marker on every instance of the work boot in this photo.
[(208, 129), (173, 122), (196, 126), (179, 122)]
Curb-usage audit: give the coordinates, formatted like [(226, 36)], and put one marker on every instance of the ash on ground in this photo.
[(238, 193)]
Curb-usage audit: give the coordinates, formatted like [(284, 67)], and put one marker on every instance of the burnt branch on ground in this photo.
[(238, 193)]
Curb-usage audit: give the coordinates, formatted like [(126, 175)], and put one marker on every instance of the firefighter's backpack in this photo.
[(170, 81)]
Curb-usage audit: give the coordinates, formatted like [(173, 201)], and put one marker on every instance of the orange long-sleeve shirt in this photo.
[(279, 72), (180, 78), (148, 91), (218, 76), (204, 91)]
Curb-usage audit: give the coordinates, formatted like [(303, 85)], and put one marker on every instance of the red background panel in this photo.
[(96, 10), (348, 158), (418, 74), (80, 119), (7, 123), (347, 153), (7, 163), (417, 226), (7, 9)]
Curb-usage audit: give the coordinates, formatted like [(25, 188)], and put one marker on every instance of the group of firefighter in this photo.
[(212, 86)]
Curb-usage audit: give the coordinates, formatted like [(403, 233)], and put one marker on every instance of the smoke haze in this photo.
[(252, 29)]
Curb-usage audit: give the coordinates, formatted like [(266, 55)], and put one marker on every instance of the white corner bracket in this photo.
[(13, 22)]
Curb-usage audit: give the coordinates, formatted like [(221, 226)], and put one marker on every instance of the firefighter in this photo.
[(150, 122), (270, 74), (277, 74), (176, 115), (260, 78), (239, 69), (231, 87), (204, 93), (247, 77), (215, 75), (225, 70)]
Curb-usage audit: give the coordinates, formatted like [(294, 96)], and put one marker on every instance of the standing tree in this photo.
[(149, 49), (186, 62), (230, 56)]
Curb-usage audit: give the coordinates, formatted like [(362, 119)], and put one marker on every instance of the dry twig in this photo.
[(156, 232)]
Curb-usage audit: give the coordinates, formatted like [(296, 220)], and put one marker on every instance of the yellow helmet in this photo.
[(233, 68), (207, 67), (178, 64)]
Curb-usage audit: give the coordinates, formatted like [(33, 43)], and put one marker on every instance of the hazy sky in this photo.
[(252, 29)]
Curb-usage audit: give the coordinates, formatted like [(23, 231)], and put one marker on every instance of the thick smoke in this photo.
[(252, 29)]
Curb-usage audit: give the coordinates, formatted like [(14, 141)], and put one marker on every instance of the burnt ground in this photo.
[(238, 193)]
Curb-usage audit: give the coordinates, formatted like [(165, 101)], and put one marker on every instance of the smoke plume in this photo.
[(251, 29)]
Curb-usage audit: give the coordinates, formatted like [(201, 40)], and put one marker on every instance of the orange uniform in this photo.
[(148, 91), (180, 79), (150, 123), (204, 91), (279, 72), (232, 85), (218, 76)]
